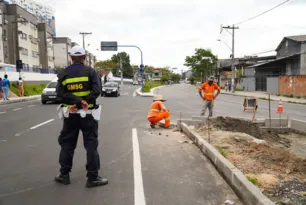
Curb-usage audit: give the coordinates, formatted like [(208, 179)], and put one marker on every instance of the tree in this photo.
[(127, 68), (176, 77), (106, 65), (202, 62)]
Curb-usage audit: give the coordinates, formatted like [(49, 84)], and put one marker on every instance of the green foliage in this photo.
[(106, 65), (127, 68), (222, 150), (253, 180), (238, 89), (176, 77), (199, 62), (150, 84), (29, 89), (164, 78), (192, 80), (288, 95)]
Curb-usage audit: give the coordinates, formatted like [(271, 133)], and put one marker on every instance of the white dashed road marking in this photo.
[(2, 113), (17, 109), (31, 105), (139, 197), (41, 124)]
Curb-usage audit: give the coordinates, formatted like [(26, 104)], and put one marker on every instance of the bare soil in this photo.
[(274, 161)]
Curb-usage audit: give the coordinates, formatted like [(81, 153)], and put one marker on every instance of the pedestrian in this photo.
[(1, 92), (5, 83), (79, 87), (158, 112), (209, 89), (20, 87)]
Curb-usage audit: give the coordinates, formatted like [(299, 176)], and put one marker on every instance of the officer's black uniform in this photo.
[(76, 83)]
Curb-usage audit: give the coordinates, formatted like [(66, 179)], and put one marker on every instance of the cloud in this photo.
[(169, 30)]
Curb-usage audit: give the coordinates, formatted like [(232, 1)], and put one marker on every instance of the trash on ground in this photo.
[(229, 202)]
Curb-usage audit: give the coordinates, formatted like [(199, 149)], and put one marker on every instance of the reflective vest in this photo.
[(155, 108), (209, 90), (78, 85)]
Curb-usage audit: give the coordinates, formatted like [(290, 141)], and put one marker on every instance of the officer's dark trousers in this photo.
[(68, 141)]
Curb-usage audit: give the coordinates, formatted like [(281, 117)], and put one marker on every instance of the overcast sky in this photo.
[(169, 30)]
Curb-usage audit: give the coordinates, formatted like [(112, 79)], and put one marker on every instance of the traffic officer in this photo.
[(79, 87), (209, 89)]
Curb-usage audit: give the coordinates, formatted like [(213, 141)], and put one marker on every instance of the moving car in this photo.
[(135, 82), (111, 88), (49, 93)]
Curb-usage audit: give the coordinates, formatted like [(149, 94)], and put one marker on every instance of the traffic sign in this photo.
[(19, 65), (109, 46)]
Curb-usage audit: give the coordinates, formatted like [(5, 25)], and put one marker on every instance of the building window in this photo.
[(34, 54), (24, 51), (23, 36)]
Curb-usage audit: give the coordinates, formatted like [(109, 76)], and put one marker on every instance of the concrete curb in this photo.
[(23, 99), (245, 190), (150, 94)]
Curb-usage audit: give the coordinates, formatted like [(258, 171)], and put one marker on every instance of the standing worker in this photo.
[(79, 87), (158, 112), (209, 89)]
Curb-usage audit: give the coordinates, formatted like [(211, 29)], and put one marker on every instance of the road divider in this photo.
[(152, 93)]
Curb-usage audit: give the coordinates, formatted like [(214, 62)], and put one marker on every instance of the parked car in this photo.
[(111, 88), (49, 93), (135, 82)]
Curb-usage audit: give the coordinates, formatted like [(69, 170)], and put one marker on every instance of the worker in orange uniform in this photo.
[(158, 112), (209, 89)]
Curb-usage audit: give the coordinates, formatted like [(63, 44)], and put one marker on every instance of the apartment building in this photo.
[(62, 47), (46, 48), (22, 37)]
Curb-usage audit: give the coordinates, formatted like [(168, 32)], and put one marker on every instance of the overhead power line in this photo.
[(263, 13)]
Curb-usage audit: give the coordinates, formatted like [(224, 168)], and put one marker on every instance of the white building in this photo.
[(62, 47)]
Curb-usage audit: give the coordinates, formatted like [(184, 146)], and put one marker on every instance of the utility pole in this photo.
[(121, 70), (233, 52), (84, 34)]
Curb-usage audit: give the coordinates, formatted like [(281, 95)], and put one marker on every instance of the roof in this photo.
[(273, 61), (299, 38)]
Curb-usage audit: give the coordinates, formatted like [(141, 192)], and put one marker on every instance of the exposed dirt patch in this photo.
[(268, 159)]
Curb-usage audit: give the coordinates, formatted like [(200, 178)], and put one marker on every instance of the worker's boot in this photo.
[(152, 126), (99, 181), (63, 179)]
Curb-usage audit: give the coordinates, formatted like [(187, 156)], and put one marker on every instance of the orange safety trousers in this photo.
[(160, 116)]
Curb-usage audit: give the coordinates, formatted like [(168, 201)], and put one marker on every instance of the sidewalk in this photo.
[(19, 99), (265, 96)]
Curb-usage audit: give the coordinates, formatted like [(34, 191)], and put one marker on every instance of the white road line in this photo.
[(41, 124), (31, 105), (2, 113), (139, 197), (17, 109)]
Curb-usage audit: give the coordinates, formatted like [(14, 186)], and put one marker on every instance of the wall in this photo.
[(292, 85), (37, 77), (293, 47), (303, 59), (272, 85), (248, 84), (1, 38), (60, 54)]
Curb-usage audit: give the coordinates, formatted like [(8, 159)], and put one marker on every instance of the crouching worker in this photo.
[(158, 112)]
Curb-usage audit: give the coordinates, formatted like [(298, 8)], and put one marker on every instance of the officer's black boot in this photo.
[(99, 181), (63, 179)]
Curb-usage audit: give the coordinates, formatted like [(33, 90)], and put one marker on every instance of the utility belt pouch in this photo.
[(96, 113), (62, 112)]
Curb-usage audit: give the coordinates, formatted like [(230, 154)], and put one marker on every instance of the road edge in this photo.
[(244, 189), (17, 100)]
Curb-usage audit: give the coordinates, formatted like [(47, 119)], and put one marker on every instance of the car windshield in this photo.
[(112, 85), (52, 85)]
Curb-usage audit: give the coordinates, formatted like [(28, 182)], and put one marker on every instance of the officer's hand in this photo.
[(84, 105), (73, 108)]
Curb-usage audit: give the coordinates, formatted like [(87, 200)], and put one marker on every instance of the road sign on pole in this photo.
[(109, 46)]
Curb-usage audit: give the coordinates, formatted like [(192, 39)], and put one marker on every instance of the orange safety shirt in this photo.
[(155, 108), (209, 90)]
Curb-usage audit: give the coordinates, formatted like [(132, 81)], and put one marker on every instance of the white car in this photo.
[(49, 93), (135, 82)]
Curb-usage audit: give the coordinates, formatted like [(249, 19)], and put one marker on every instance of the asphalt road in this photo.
[(143, 166), (184, 102)]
